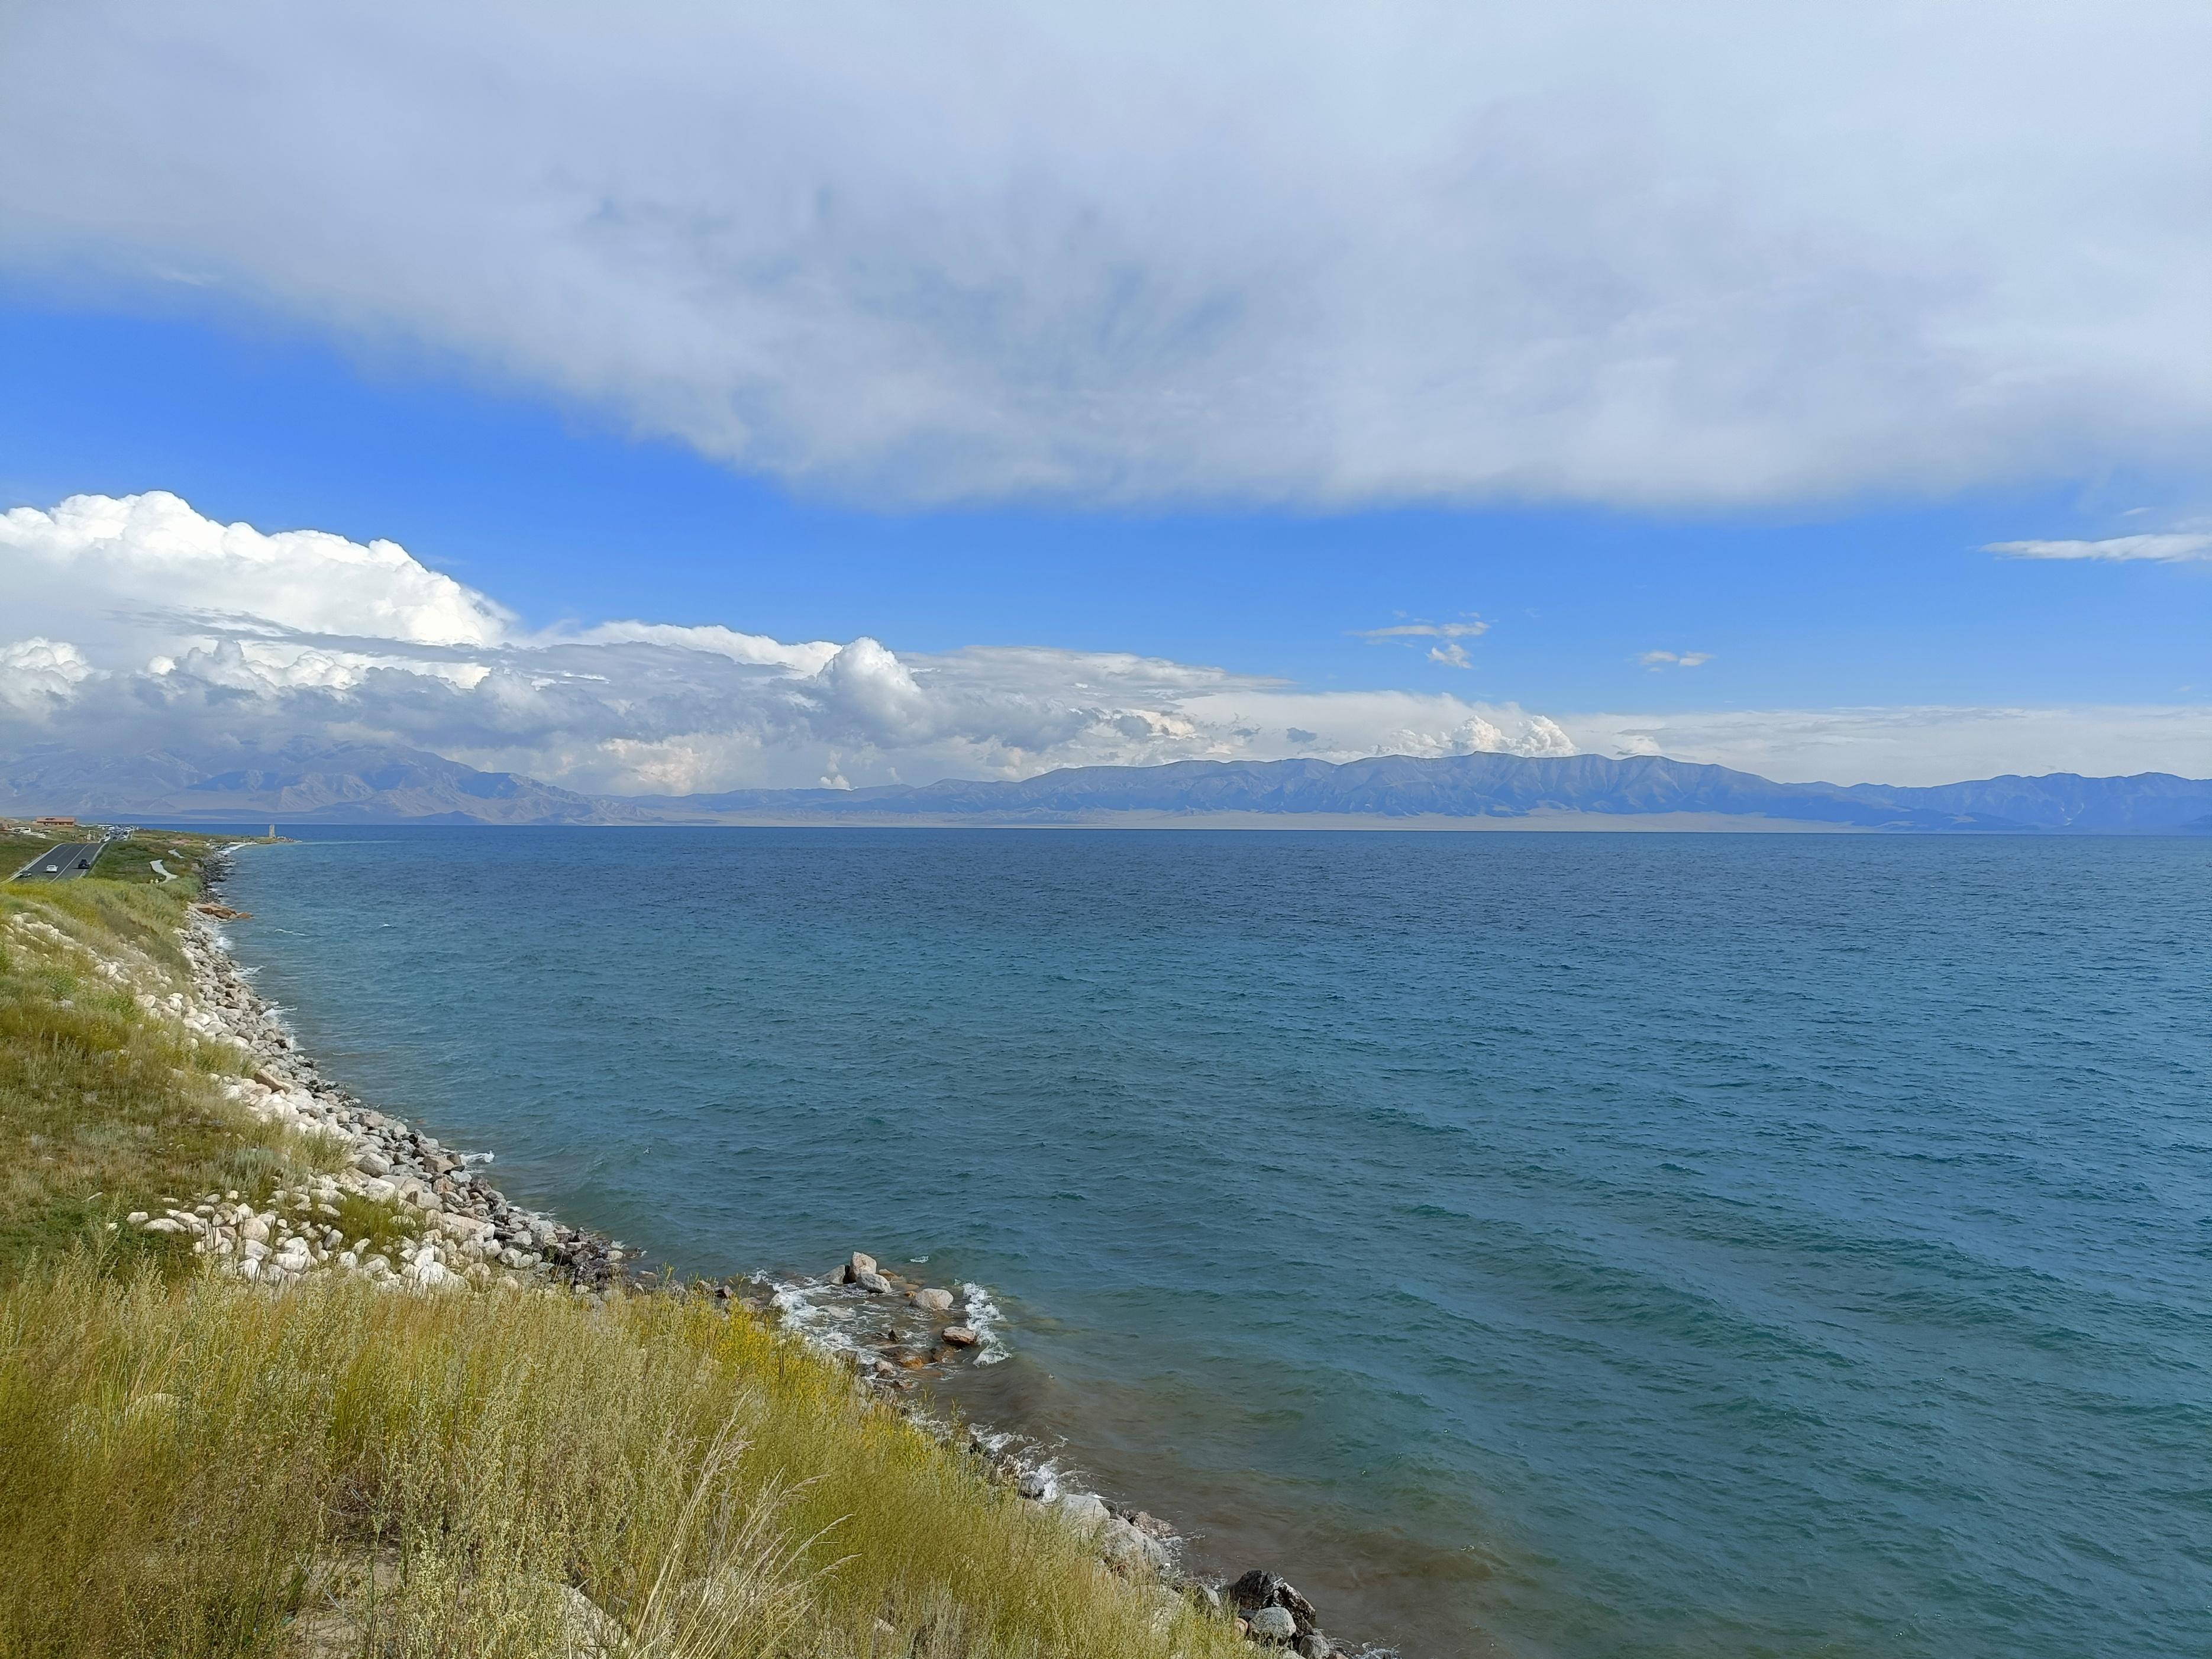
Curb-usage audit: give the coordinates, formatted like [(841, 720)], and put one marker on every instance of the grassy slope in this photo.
[(196, 1466), (102, 1109)]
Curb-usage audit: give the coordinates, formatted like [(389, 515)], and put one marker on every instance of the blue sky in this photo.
[(1805, 503)]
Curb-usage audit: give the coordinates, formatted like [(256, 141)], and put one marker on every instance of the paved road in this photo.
[(63, 863)]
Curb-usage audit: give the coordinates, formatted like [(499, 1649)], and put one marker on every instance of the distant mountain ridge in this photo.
[(339, 783), (365, 783), (1504, 786)]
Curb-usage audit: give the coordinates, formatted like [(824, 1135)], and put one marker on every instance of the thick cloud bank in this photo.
[(1713, 253), (138, 624)]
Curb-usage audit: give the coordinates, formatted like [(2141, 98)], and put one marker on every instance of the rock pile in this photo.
[(456, 1228), (927, 1334), (1269, 1609)]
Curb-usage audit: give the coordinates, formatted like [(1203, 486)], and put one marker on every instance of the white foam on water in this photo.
[(816, 1313), (984, 1319)]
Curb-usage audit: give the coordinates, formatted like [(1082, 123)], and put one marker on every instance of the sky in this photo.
[(709, 397)]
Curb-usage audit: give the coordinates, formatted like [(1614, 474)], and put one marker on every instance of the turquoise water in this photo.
[(1549, 1245)]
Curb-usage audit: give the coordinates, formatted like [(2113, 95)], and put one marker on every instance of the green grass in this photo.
[(102, 1109), (133, 858), (191, 1466)]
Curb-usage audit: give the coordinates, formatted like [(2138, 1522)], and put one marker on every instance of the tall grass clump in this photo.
[(106, 1104), (195, 1467), (203, 1469)]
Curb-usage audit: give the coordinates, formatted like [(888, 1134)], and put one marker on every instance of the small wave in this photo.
[(984, 1318), (817, 1320)]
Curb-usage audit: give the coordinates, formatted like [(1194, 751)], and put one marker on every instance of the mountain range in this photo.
[(305, 782)]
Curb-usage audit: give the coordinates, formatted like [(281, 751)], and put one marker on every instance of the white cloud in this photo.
[(757, 648), (1713, 252), (159, 628), (39, 676), (2170, 549), (1655, 660), (97, 555), (1426, 630), (1451, 653)]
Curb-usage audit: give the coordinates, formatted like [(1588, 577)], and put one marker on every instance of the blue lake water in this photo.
[(1532, 1244)]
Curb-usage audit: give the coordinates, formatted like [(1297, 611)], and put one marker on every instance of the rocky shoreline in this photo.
[(457, 1232)]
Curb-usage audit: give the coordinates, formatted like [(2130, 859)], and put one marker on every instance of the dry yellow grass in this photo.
[(205, 1468), (197, 1466)]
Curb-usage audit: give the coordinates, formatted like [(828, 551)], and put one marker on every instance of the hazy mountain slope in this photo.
[(2153, 801), (1465, 786), (303, 782), (299, 782)]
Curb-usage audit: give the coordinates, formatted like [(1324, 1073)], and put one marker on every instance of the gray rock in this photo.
[(960, 1336), (1314, 1645), (1034, 1486), (466, 1228), (589, 1633), (1128, 1551), (1259, 1588), (1084, 1510), (428, 1272), (372, 1163), (1273, 1624), (874, 1283), (935, 1300), (861, 1264)]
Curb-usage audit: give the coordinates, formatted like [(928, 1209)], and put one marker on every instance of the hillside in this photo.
[(303, 783), (224, 1432)]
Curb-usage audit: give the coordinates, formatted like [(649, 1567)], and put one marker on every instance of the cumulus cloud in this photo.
[(1656, 661), (102, 558), (1720, 252), (39, 676), (2167, 549), (157, 628)]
